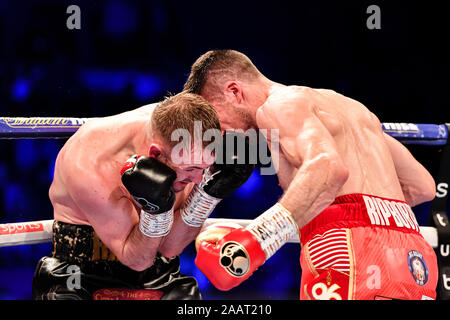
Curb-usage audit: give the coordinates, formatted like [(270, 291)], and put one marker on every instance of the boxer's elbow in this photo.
[(426, 191), (170, 252), (138, 265), (340, 174), (419, 192), (137, 260), (170, 249), (430, 191)]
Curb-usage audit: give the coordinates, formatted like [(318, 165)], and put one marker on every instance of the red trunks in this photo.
[(366, 247)]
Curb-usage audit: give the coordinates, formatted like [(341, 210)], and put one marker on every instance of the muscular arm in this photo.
[(181, 235), (417, 183), (305, 141), (114, 218)]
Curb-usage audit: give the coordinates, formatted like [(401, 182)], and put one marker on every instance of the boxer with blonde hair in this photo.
[(127, 202)]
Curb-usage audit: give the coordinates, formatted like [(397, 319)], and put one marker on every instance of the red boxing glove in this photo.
[(239, 253), (232, 260)]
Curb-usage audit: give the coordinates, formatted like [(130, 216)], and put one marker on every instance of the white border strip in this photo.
[(33, 232)]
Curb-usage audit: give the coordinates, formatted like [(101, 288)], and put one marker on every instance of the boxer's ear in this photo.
[(234, 91), (154, 151)]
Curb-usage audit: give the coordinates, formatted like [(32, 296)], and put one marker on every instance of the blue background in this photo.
[(130, 53)]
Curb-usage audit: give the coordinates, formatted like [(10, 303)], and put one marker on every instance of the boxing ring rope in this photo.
[(25, 233), (60, 127)]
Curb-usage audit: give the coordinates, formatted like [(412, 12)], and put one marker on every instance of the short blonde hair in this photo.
[(180, 112)]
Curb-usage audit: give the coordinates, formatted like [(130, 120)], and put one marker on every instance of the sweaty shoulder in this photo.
[(97, 143), (297, 96), (288, 103), (81, 151)]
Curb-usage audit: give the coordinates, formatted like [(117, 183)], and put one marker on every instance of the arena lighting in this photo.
[(145, 86), (21, 90)]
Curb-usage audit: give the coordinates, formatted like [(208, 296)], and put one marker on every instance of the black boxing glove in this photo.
[(150, 184), (226, 176), (230, 171)]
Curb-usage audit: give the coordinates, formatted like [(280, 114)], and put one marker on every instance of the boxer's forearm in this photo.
[(139, 251), (314, 187), (180, 236)]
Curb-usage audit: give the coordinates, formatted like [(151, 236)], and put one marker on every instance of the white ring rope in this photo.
[(24, 233)]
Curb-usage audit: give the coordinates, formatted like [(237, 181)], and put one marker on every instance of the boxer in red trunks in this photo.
[(348, 188), (366, 247)]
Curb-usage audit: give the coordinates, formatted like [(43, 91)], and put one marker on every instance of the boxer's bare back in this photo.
[(339, 147), (98, 148)]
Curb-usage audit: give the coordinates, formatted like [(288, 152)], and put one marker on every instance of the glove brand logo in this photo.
[(147, 206), (207, 177), (234, 258)]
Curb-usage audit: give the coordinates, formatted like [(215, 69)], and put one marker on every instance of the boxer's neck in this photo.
[(259, 93), (141, 138)]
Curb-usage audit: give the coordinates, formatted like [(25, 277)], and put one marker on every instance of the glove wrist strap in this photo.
[(273, 229), (156, 225), (197, 207)]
